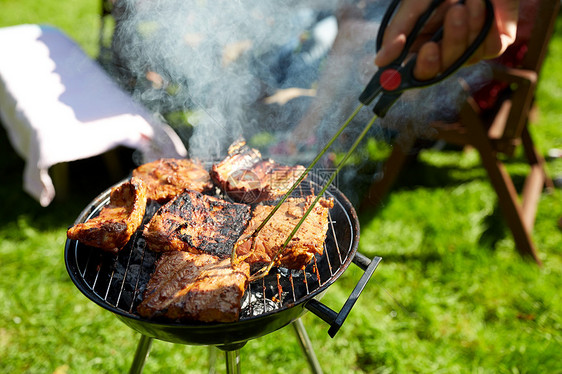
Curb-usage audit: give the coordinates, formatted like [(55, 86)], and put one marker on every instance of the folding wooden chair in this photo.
[(494, 121)]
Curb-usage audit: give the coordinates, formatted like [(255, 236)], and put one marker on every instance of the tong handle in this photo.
[(336, 320), (398, 76), (418, 26)]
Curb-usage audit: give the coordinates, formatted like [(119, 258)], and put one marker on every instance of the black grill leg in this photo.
[(306, 346), (143, 348)]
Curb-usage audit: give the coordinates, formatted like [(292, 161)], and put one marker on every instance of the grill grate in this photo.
[(118, 281)]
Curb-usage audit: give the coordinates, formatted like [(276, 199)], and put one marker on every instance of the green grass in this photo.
[(451, 295)]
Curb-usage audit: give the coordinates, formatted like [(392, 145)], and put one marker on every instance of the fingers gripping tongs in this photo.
[(390, 81), (398, 76)]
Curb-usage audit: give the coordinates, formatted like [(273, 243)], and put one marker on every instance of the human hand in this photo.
[(461, 24)]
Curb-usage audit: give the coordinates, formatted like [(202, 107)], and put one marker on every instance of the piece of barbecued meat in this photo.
[(169, 177), (117, 221), (246, 177), (197, 223), (308, 241), (187, 286)]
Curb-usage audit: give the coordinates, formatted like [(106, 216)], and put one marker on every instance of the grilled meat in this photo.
[(187, 286), (169, 177), (197, 223), (246, 177), (117, 221), (307, 242)]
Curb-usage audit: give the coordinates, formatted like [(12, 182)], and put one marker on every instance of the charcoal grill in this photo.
[(116, 283)]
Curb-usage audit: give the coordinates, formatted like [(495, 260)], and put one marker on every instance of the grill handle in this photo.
[(336, 320)]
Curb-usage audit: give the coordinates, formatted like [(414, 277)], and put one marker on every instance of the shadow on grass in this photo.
[(495, 229), (449, 171), (420, 174)]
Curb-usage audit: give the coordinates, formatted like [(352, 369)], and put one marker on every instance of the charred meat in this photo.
[(117, 221), (187, 286), (307, 242), (246, 177), (197, 223), (169, 177)]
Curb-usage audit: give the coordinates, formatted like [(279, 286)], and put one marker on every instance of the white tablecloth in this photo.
[(59, 105)]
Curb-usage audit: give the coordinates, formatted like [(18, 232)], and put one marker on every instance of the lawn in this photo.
[(450, 296)]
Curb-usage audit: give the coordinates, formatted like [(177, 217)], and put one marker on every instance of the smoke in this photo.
[(216, 58), (226, 61), (418, 108)]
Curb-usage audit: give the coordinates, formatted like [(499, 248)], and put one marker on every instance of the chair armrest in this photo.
[(522, 83), (513, 75)]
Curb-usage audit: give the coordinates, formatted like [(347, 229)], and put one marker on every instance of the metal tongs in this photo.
[(389, 82)]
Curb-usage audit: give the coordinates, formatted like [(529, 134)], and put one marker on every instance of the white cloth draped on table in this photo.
[(59, 105)]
